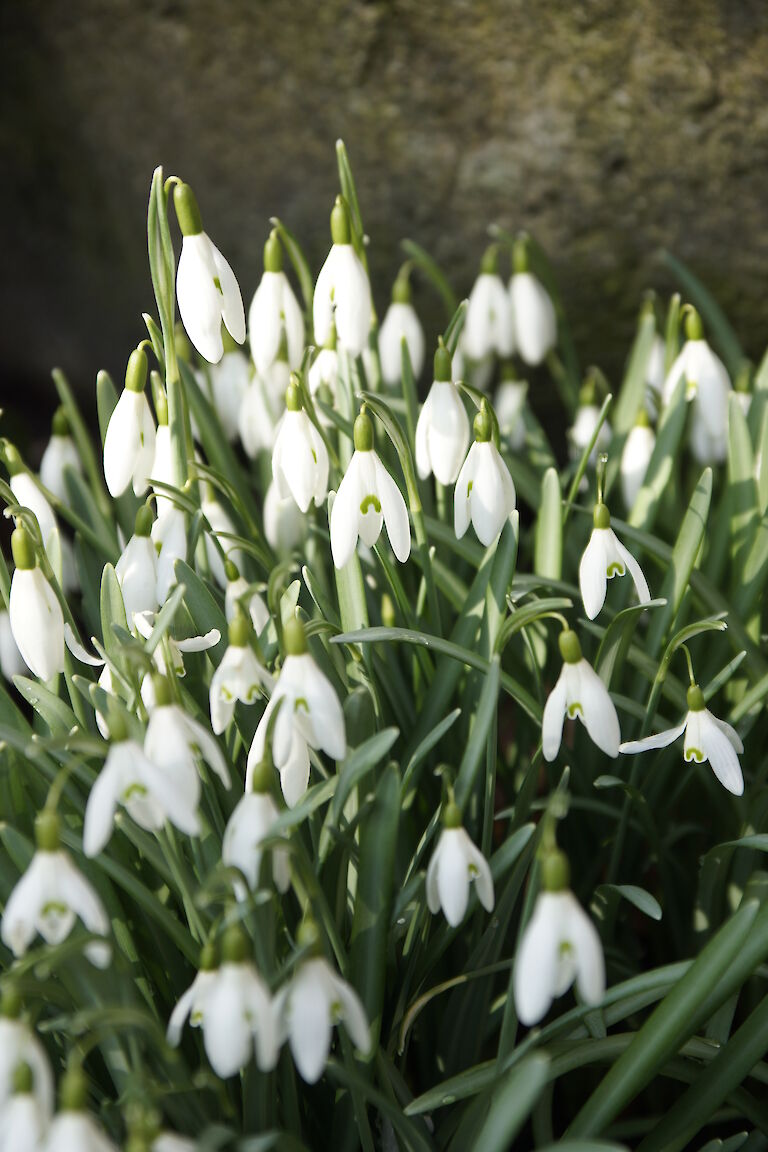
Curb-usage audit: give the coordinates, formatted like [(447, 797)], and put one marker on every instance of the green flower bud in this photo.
[(695, 699), (143, 523), (162, 689), (12, 459), (341, 232), (209, 957), (239, 630), (294, 637), (601, 517), (136, 371), (187, 211), (555, 871), (47, 828), (520, 260), (231, 571), (363, 431), (308, 935), (235, 945), (23, 1079), (570, 649), (443, 363), (273, 253), (483, 424), (694, 329), (451, 815), (73, 1090), (23, 548), (60, 423), (401, 290), (10, 1003), (293, 394), (489, 265), (262, 777)]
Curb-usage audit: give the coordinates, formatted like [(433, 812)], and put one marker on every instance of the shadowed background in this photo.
[(608, 129)]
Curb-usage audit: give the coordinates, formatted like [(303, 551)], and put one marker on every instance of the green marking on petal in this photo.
[(615, 569), (370, 501), (469, 488), (134, 790), (300, 703), (575, 709), (217, 283), (54, 908), (692, 753), (314, 455)]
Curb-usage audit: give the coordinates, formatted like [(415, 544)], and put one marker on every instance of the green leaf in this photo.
[(57, 715), (112, 610), (632, 393), (617, 639), (479, 734), (548, 546), (511, 1103), (422, 260), (298, 260), (357, 764), (661, 463), (203, 609), (641, 899)]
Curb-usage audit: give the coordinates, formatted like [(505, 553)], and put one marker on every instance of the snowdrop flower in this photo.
[(169, 536), (239, 675), (605, 557), (454, 864), (262, 407), (707, 386), (129, 445), (342, 292), (583, 427), (284, 524), (323, 376), (249, 825), (309, 715), (442, 430), (299, 457), (560, 944), (579, 692), (136, 570), (37, 622), (22, 1121), (50, 896), (206, 288), (144, 623), (273, 308), (162, 464), (220, 525), (484, 494), (28, 494), (239, 594), (400, 323), (192, 1003), (635, 458), (488, 327), (509, 404), (72, 1127), (367, 498), (533, 313), (59, 455), (309, 1005), (706, 738), (19, 1044), (11, 660), (174, 741), (230, 379)]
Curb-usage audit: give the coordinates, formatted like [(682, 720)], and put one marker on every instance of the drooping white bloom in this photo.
[(230, 379), (169, 536), (60, 454), (192, 1003), (174, 741), (20, 1045), (579, 692), (442, 430), (206, 287), (485, 494), (249, 825), (635, 458), (50, 896), (129, 445), (605, 557), (284, 525), (400, 323), (239, 592), (343, 291), (29, 495), (299, 457), (706, 739), (36, 619), (222, 528), (22, 1121), (509, 403), (307, 1008), (533, 315), (309, 715), (136, 570), (324, 374), (582, 431), (454, 864), (239, 676), (274, 308), (707, 387), (11, 660), (71, 1130), (560, 944), (488, 328), (261, 408), (367, 498)]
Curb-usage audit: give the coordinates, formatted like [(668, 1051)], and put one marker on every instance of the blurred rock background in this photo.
[(607, 128)]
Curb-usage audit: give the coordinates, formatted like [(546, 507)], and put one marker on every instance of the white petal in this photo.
[(462, 493), (730, 732), (636, 572), (37, 622), (180, 1014), (590, 964), (593, 573), (309, 1022), (102, 801), (352, 1013), (264, 321), (598, 713), (534, 318), (345, 514), (659, 740), (394, 512), (353, 301), (480, 873), (322, 308), (536, 963), (553, 719), (209, 748), (453, 876), (721, 754), (232, 311), (493, 495), (200, 301), (226, 1031)]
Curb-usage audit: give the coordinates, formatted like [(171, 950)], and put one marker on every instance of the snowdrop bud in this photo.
[(533, 314), (579, 692), (206, 288), (275, 311), (400, 323), (454, 864), (343, 292), (488, 328), (442, 430), (485, 494), (129, 445), (37, 622), (636, 457), (136, 570), (299, 457), (605, 557), (59, 455)]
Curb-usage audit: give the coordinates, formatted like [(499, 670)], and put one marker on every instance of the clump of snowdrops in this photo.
[(373, 772)]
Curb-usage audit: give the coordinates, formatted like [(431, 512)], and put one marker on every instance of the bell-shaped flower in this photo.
[(11, 660), (560, 944), (635, 458), (343, 291), (299, 457), (28, 494), (73, 1127), (583, 429), (309, 715), (488, 327), (323, 377), (50, 896), (284, 524), (136, 570), (221, 530), (274, 308), (485, 494), (455, 863), (706, 739), (707, 387), (239, 676), (605, 557), (206, 288), (230, 379), (20, 1045), (249, 826), (311, 1003), (367, 498), (442, 430), (400, 323), (23, 1122), (169, 536), (37, 622), (192, 1003), (533, 313), (262, 406), (239, 593), (129, 445), (579, 692), (174, 741), (60, 454), (509, 405)]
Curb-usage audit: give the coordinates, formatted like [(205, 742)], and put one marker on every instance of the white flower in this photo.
[(37, 622), (707, 386), (654, 369), (220, 525), (274, 308), (367, 498), (174, 741), (11, 660), (237, 592), (309, 715), (509, 403), (28, 494), (560, 944), (78, 1130), (20, 1045), (192, 1003), (488, 327), (23, 1123), (238, 677), (129, 445), (261, 408), (299, 457), (162, 467), (582, 431), (605, 557), (59, 455), (706, 739), (230, 379), (442, 430), (342, 292), (284, 524), (635, 459), (50, 896), (400, 323), (533, 317), (324, 373), (249, 825), (454, 864), (206, 288), (169, 536), (579, 692), (308, 1007), (484, 494), (136, 570)]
